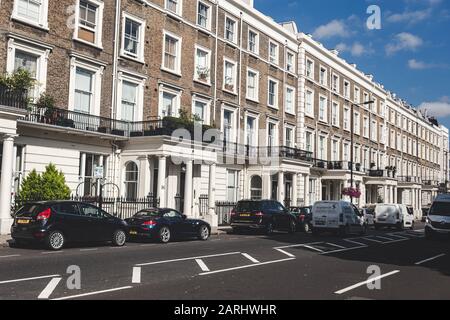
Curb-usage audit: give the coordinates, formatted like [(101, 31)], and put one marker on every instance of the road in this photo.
[(244, 266)]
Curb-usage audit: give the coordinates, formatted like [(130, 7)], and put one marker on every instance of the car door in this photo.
[(70, 222), (94, 230), (282, 216), (179, 226)]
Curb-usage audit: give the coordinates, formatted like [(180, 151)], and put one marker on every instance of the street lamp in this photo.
[(352, 131)]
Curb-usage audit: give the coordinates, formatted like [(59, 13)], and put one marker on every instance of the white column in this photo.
[(80, 191), (294, 190), (396, 195), (161, 192), (212, 217), (5, 185), (267, 185), (386, 194), (144, 177), (280, 195), (307, 191), (188, 184)]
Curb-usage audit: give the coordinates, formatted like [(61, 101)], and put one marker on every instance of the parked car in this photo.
[(425, 213), (438, 220), (369, 215), (304, 217), (56, 223), (340, 217), (165, 224), (393, 215), (267, 215)]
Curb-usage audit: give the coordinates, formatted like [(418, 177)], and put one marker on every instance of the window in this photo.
[(323, 76), (232, 187), (309, 102), (310, 68), (346, 152), (131, 180), (251, 133), (252, 85), (347, 89), (273, 94), (89, 22), (290, 98), (169, 103), (335, 114), (335, 84), (289, 137), (357, 97), (229, 125), (174, 6), (202, 65), (256, 188), (323, 109), (374, 131), (230, 76), (203, 15), (347, 119), (130, 97), (83, 90), (382, 134), (133, 38), (253, 42), (129, 101), (272, 135), (366, 98), (357, 124), (309, 141), (201, 110), (273, 53), (366, 127), (31, 11), (322, 148), (290, 64), (88, 163), (172, 56), (335, 150), (230, 29)]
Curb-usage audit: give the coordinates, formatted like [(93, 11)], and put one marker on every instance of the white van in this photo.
[(438, 219), (337, 216), (393, 215)]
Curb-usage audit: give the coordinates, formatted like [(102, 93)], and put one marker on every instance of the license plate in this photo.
[(245, 215), (133, 233), (23, 221)]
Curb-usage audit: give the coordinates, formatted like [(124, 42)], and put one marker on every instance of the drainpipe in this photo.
[(240, 78), (115, 60), (215, 63)]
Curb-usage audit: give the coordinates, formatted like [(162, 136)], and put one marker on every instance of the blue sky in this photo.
[(410, 54)]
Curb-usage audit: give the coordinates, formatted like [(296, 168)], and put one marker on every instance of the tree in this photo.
[(51, 185)]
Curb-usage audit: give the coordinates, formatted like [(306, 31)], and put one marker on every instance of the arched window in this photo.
[(131, 180), (256, 188)]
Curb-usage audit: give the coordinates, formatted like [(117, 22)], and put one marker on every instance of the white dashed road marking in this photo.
[(92, 293), (48, 290), (429, 259), (29, 279), (246, 266), (202, 265), (136, 278), (249, 257), (10, 256), (286, 253), (186, 259), (360, 284)]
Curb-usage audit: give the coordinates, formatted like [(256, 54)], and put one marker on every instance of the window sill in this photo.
[(30, 23), (175, 73), (93, 45), (252, 100), (309, 115), (205, 83), (124, 56), (290, 113), (273, 107), (229, 91)]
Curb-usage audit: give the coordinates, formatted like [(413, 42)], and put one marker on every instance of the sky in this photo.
[(409, 54)]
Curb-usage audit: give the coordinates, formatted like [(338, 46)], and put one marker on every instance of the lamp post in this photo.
[(352, 131)]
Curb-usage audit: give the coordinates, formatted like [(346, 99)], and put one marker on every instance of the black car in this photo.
[(166, 224), (267, 215), (304, 217), (55, 223)]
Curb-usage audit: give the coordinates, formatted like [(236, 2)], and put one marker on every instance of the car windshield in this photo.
[(440, 209), (148, 213), (249, 206), (30, 210)]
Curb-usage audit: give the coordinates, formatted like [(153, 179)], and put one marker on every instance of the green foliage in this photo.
[(18, 81), (51, 185), (46, 101)]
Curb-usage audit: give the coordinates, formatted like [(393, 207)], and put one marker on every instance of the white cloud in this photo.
[(356, 49), (334, 28), (403, 41), (410, 16), (420, 65), (439, 108)]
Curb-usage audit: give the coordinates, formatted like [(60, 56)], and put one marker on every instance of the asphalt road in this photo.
[(244, 266)]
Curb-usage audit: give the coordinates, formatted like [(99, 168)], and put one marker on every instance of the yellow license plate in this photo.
[(22, 221), (245, 215), (133, 233)]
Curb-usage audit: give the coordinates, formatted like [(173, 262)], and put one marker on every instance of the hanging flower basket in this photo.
[(352, 192)]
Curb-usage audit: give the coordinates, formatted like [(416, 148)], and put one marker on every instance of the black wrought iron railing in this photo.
[(13, 98), (431, 183), (410, 179)]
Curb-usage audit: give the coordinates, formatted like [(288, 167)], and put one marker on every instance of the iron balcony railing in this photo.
[(13, 98), (337, 165), (77, 120), (433, 183), (410, 179)]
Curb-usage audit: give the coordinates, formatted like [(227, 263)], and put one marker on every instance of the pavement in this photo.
[(384, 264)]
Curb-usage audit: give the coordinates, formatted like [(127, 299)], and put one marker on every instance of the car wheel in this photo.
[(119, 238), (306, 227), (164, 235), (55, 240), (292, 226), (204, 233), (269, 228)]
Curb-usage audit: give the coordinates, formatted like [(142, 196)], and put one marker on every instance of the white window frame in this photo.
[(325, 120), (140, 82), (366, 128), (99, 27), (337, 115), (43, 15), (323, 156), (287, 87), (208, 60), (309, 113), (234, 40), (290, 67), (225, 61), (234, 134), (357, 97), (337, 87), (255, 117), (277, 92), (356, 123), (335, 153), (177, 70), (347, 93), (311, 76), (276, 138), (208, 17), (141, 46), (347, 127), (255, 99), (250, 30), (274, 59), (323, 81), (179, 10), (177, 93), (374, 131), (97, 84), (312, 142), (207, 102), (292, 128)]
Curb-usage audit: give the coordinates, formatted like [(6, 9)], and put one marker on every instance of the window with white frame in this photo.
[(323, 109), (272, 136), (130, 97), (335, 150), (289, 138), (88, 27), (382, 134), (133, 37), (290, 99), (357, 151), (357, 95), (323, 76), (374, 131), (309, 141), (399, 142), (31, 11), (230, 76), (335, 114), (251, 137), (273, 52), (229, 127), (346, 152), (131, 180), (200, 109), (232, 185), (357, 123), (252, 85), (172, 53), (169, 102), (335, 83), (366, 98), (204, 15), (290, 61), (310, 68), (347, 119), (374, 106), (366, 127), (272, 100), (309, 102), (202, 64), (322, 148), (347, 89), (253, 42), (230, 29), (84, 90), (174, 6)]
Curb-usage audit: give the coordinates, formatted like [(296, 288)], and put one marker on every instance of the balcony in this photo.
[(13, 99), (409, 179), (266, 152), (431, 183)]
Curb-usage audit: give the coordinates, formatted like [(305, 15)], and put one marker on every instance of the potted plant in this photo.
[(47, 109), (203, 73), (352, 192)]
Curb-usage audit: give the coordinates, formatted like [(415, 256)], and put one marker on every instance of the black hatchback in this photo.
[(266, 215), (56, 223)]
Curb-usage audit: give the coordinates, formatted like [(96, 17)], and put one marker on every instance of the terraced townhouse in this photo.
[(266, 109)]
